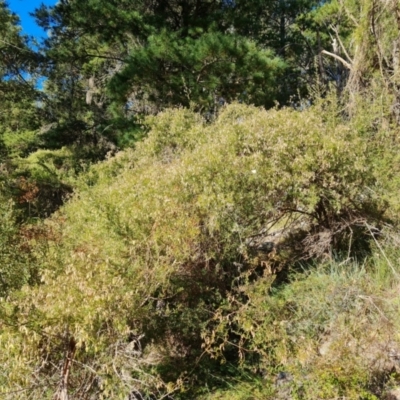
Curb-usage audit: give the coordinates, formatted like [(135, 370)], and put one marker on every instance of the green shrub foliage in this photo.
[(17, 266), (148, 267)]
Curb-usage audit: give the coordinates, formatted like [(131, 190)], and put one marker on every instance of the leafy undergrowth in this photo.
[(331, 332), (148, 286)]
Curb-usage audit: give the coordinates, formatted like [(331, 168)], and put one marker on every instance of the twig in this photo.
[(88, 367), (378, 309), (381, 250), (13, 45), (18, 391), (351, 16)]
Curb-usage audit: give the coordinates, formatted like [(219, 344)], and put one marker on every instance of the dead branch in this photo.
[(335, 30), (342, 60), (62, 391)]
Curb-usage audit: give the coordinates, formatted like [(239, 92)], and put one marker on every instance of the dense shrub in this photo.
[(17, 266), (148, 269)]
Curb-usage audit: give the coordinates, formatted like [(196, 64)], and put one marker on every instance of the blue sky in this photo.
[(22, 8)]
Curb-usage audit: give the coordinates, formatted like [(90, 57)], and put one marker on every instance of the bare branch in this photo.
[(105, 57), (334, 28), (342, 60)]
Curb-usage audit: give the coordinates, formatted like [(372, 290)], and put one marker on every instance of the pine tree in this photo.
[(17, 72), (159, 54)]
